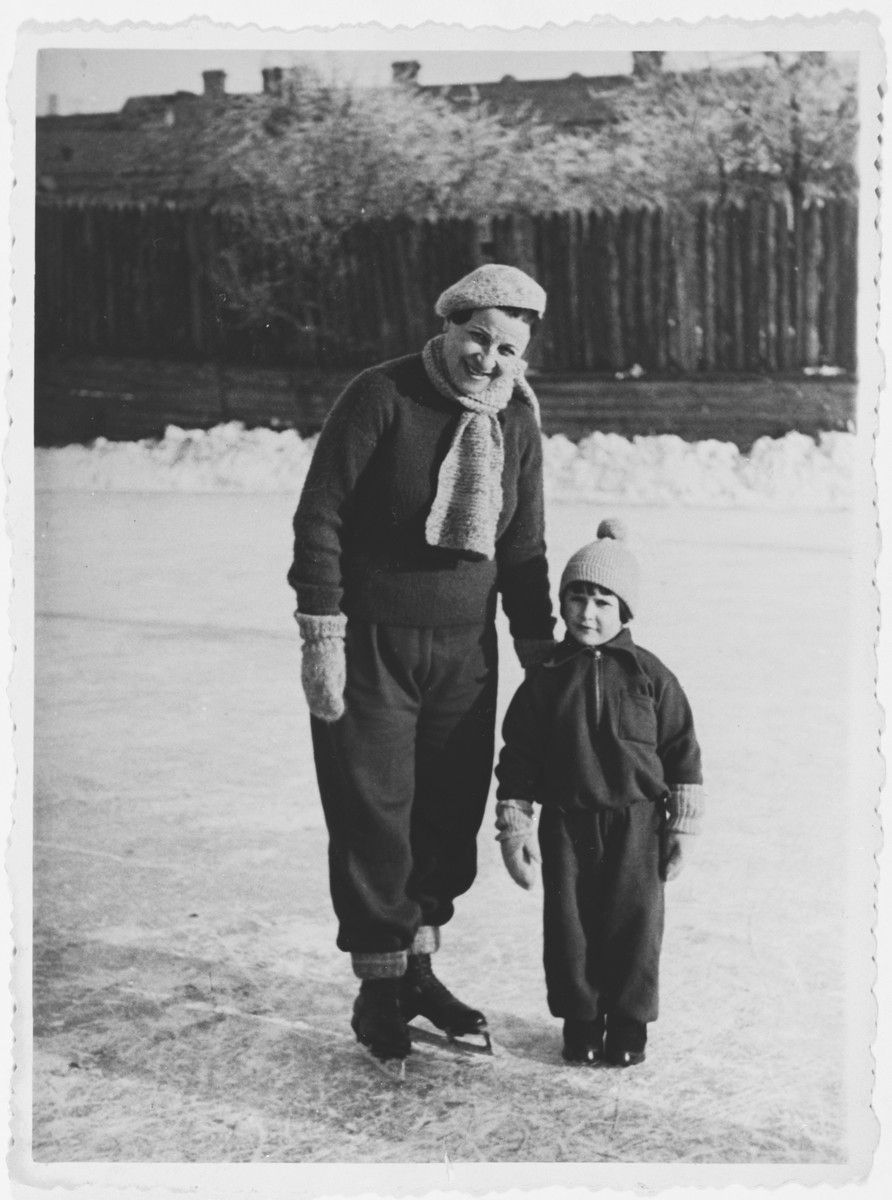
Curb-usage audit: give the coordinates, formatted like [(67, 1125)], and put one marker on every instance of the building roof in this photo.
[(153, 147), (574, 102)]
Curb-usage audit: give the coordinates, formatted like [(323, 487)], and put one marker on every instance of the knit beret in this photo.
[(607, 562), (493, 285)]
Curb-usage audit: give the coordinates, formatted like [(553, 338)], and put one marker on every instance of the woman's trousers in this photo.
[(404, 777)]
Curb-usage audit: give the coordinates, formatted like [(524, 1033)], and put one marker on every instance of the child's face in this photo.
[(590, 613)]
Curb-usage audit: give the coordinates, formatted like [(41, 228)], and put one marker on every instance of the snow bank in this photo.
[(793, 471)]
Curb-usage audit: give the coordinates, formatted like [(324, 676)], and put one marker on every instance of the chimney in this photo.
[(214, 84), (646, 63), (53, 104), (272, 81), (405, 72)]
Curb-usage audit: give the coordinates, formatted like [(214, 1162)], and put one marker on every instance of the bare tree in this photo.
[(787, 128)]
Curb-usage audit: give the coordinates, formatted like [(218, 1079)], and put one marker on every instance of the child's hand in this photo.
[(520, 855), (672, 853), (517, 833)]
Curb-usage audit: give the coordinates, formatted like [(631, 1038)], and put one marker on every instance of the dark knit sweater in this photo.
[(598, 727), (359, 541)]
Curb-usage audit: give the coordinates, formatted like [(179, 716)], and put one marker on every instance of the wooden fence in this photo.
[(759, 289), (79, 399)]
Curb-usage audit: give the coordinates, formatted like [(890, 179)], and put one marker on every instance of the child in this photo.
[(602, 736)]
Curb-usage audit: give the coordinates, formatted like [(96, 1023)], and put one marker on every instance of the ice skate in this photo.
[(625, 1042), (423, 995), (380, 1026), (583, 1041)]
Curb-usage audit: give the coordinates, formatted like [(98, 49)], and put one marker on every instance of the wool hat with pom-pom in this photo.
[(494, 285), (608, 562)]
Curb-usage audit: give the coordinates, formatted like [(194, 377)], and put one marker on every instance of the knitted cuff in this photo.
[(684, 808), (386, 965), (533, 651), (514, 819), (426, 940), (318, 628)]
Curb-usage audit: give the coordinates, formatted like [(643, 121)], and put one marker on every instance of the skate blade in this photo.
[(466, 1042), (393, 1069), (457, 1043)]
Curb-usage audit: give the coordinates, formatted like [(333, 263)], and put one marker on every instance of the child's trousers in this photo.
[(404, 778), (604, 906)]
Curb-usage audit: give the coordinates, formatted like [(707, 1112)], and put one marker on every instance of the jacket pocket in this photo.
[(637, 719)]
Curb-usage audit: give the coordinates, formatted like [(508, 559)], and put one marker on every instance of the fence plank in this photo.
[(558, 228), (587, 296), (659, 244), (613, 298), (812, 286), (737, 231), (848, 286), (723, 332), (706, 217), (625, 253), (751, 287), (799, 271), (596, 355), (644, 291), (786, 340), (575, 317), (770, 270), (828, 317)]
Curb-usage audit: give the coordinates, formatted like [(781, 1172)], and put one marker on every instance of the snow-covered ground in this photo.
[(190, 1002)]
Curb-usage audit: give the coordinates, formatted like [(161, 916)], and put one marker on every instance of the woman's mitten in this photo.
[(533, 651), (323, 663), (517, 834)]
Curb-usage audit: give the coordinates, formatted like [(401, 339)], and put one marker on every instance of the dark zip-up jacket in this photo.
[(359, 539), (598, 727)]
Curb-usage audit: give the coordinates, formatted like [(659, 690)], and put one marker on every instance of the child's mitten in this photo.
[(684, 813), (323, 670), (673, 846), (517, 833)]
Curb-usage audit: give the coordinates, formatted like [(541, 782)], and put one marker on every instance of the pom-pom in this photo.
[(613, 527)]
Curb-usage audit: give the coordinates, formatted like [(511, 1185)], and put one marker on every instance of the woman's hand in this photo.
[(531, 652), (323, 664)]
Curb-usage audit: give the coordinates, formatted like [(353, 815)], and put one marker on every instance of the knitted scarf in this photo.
[(466, 508)]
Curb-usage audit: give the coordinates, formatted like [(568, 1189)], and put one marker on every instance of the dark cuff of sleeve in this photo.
[(318, 601)]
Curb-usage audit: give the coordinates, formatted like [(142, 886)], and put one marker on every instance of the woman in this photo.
[(423, 502)]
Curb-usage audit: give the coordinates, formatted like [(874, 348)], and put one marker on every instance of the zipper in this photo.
[(597, 689)]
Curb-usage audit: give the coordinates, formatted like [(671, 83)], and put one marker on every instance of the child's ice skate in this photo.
[(625, 1042), (583, 1041), (423, 995)]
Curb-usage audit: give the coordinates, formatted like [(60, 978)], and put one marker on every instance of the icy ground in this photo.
[(189, 1000)]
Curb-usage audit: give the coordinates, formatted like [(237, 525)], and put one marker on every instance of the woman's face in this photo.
[(488, 346)]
